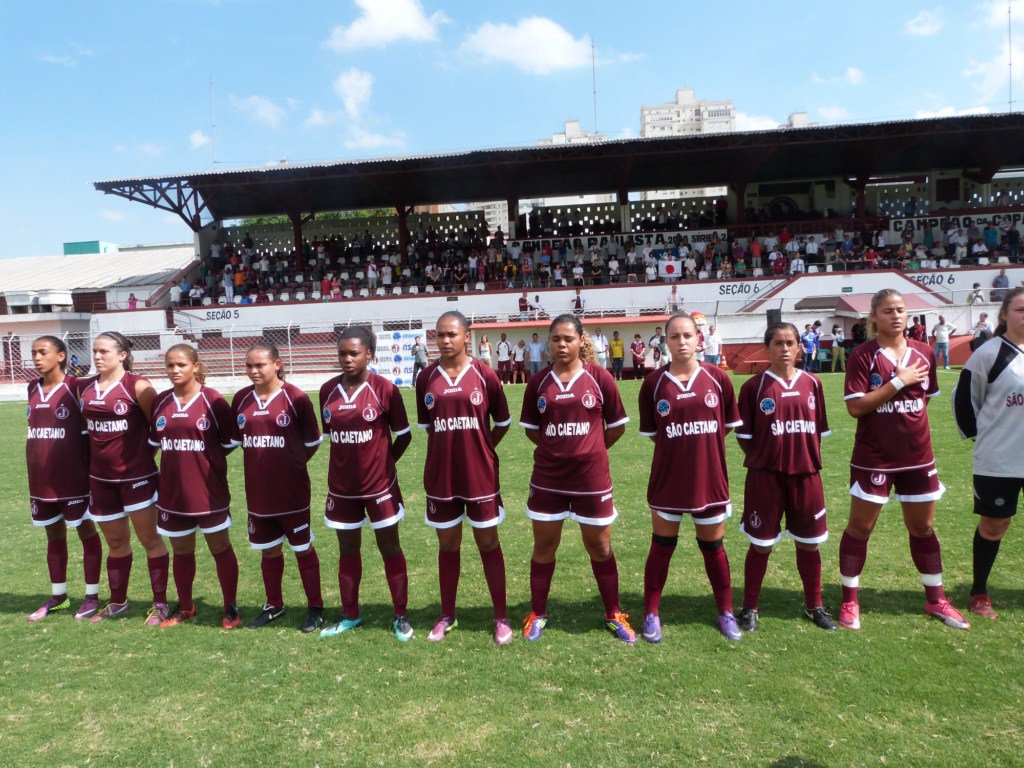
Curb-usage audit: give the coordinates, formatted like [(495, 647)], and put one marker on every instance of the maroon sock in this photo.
[(449, 566), (656, 574), (158, 568), (607, 574), (57, 561), (350, 574), (853, 553), (309, 572), (227, 574), (540, 585), (494, 573), (927, 558), (119, 570), (92, 558), (273, 575), (808, 565), (184, 576), (716, 565), (397, 573), (754, 568)]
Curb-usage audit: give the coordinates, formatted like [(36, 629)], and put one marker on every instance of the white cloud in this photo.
[(56, 58), (354, 87), (384, 22), (318, 117), (198, 139), (852, 76), (995, 12), (626, 133), (260, 109), (745, 122), (990, 77), (112, 215), (360, 138), (535, 45), (833, 114), (925, 24), (151, 148), (951, 112)]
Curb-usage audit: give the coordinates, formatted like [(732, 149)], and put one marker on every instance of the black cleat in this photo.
[(747, 620), (314, 619), (820, 617), (268, 614)]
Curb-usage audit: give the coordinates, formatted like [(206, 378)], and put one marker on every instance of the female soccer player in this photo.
[(117, 404), (783, 412), (57, 451), (461, 404), (573, 414), (989, 407), (639, 350), (276, 426), (360, 412), (888, 382), (193, 427), (687, 408)]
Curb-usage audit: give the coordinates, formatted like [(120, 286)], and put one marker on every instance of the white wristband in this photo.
[(897, 382)]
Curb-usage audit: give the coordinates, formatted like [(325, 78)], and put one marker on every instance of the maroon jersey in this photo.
[(360, 429), (571, 457), (118, 431), (894, 437), (276, 436), (688, 421), (57, 448), (193, 439), (461, 460), (783, 423)]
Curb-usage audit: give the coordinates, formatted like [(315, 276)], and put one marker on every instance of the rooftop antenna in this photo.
[(593, 72), (213, 122)]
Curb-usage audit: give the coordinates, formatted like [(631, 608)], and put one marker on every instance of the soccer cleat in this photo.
[(89, 606), (533, 626), (982, 605), (618, 625), (442, 628), (344, 624), (402, 628), (268, 614), (728, 627), (849, 615), (947, 614), (232, 618), (110, 611), (747, 620), (314, 619), (52, 605), (179, 616), (652, 628), (502, 632), (155, 616), (820, 618)]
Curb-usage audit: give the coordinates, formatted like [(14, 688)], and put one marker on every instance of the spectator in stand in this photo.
[(976, 296), (618, 354), (797, 266), (524, 307), (674, 302), (371, 275), (195, 295), (1001, 284), (942, 331), (982, 331), (504, 350), (613, 269), (755, 253), (639, 352), (578, 304), (1012, 239), (651, 272), (577, 273), (174, 293), (712, 346), (778, 264)]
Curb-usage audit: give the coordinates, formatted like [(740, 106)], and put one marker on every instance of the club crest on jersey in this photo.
[(428, 399), (283, 420), (664, 408), (252, 528), (161, 423), (877, 478), (589, 401), (767, 406), (754, 520), (925, 383), (542, 404), (120, 407), (62, 412), (241, 420), (811, 402), (327, 415), (876, 380), (330, 503), (369, 413), (35, 509), (477, 397), (711, 400), (202, 423)]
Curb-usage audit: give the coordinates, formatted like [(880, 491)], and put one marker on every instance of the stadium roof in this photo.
[(977, 146), (95, 270)]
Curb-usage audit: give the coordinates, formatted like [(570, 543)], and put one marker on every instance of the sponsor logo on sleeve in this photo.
[(327, 414), (428, 399), (876, 380), (241, 420), (767, 406), (161, 423), (664, 407), (542, 404)]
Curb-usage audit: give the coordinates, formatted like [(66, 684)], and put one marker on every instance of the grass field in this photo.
[(904, 691)]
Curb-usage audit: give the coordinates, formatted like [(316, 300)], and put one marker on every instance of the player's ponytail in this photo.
[(1011, 294), (59, 345), (123, 344), (190, 352)]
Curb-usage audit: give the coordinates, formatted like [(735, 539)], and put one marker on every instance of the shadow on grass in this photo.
[(795, 761)]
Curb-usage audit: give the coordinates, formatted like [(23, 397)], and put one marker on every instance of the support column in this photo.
[(739, 188), (403, 232), (296, 219), (625, 213), (513, 218)]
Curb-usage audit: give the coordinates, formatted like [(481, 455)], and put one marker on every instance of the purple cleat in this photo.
[(728, 627), (652, 628)]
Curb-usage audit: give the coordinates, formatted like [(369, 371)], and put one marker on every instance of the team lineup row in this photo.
[(92, 443)]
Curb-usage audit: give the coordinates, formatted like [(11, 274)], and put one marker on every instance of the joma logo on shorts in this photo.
[(139, 484)]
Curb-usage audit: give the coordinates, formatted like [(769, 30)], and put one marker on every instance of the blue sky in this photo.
[(106, 90)]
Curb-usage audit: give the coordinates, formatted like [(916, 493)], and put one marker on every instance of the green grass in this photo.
[(904, 691)]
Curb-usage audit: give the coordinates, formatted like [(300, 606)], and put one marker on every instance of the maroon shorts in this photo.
[(713, 514), (586, 509), (518, 367), (71, 511), (349, 514), (504, 366), (112, 501), (769, 496), (481, 514), (910, 485), (172, 524), (267, 532)]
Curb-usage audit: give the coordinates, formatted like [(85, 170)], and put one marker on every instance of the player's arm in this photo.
[(868, 402), (145, 394), (611, 435), (401, 442)]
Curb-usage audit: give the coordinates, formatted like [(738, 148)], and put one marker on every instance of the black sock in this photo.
[(985, 552)]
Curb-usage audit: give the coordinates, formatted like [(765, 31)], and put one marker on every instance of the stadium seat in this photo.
[(253, 297), (481, 287), (238, 298), (222, 300), (316, 295), (300, 296), (702, 275), (363, 293), (983, 261), (828, 267), (283, 296), (429, 289), (812, 269), (1003, 260), (824, 358), (758, 272), (943, 263), (413, 290), (380, 292), (207, 301), (396, 291), (343, 276), (360, 275), (347, 293)]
